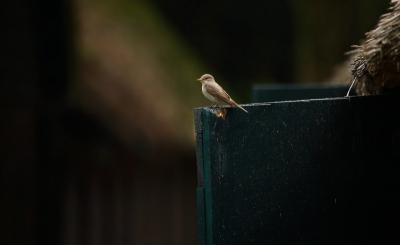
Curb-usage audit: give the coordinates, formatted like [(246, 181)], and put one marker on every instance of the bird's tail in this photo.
[(233, 103)]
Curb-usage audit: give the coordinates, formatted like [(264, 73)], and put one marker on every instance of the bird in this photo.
[(215, 93)]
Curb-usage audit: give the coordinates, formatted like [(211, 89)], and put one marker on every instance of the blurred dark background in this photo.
[(97, 138)]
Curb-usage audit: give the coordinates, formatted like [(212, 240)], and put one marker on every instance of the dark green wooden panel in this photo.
[(304, 172), (198, 126), (285, 92), (201, 216)]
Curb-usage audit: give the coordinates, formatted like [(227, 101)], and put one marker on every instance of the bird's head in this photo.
[(206, 78)]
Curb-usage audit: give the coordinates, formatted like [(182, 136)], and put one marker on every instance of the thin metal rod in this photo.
[(348, 92)]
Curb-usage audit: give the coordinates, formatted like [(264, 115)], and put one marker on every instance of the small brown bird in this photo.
[(215, 93)]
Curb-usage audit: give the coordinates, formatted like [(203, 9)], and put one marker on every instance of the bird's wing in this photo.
[(216, 90)]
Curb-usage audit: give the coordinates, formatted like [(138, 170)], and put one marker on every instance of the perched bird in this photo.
[(215, 93)]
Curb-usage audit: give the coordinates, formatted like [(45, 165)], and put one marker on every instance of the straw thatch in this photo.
[(376, 65)]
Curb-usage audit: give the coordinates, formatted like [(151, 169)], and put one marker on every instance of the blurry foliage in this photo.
[(140, 59), (136, 74), (325, 30), (280, 41), (246, 41)]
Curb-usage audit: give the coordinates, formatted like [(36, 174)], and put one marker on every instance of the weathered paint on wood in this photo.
[(303, 172), (285, 92)]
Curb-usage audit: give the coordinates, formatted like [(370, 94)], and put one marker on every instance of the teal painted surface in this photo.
[(201, 215), (208, 147), (304, 172)]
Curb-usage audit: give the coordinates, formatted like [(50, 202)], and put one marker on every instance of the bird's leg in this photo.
[(211, 106)]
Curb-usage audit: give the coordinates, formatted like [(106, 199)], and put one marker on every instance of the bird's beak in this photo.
[(198, 80)]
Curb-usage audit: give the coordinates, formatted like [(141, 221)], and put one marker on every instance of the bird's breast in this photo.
[(207, 95)]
